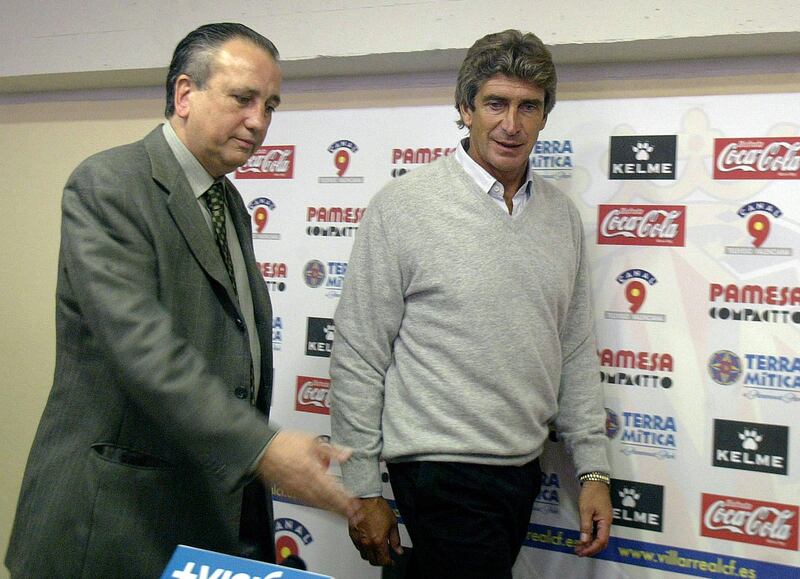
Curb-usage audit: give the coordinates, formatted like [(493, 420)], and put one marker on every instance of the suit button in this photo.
[(241, 392), (240, 323)]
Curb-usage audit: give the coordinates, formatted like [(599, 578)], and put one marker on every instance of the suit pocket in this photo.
[(138, 509), (128, 457)]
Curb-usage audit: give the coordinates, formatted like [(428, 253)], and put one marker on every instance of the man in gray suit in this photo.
[(156, 430)]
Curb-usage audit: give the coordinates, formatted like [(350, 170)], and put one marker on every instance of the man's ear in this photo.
[(466, 115), (544, 122), (184, 87)]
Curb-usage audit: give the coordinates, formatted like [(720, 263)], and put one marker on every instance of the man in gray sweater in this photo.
[(465, 331)]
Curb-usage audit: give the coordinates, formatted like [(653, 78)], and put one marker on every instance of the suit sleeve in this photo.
[(108, 251)]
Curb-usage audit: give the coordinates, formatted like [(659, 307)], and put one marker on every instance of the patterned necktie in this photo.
[(216, 205)]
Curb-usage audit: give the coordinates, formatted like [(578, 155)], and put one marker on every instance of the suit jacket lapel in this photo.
[(262, 306), (183, 207), (241, 223)]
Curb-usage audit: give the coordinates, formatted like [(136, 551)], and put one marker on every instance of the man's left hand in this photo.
[(594, 505)]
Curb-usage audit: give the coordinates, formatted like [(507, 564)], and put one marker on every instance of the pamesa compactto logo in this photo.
[(629, 368), (408, 158), (333, 221), (274, 274), (762, 304)]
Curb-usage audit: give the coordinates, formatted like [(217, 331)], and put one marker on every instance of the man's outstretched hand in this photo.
[(298, 463)]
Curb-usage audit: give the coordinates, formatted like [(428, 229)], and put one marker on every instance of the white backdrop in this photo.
[(691, 213)]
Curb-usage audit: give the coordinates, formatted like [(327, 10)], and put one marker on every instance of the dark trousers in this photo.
[(256, 532), (465, 520)]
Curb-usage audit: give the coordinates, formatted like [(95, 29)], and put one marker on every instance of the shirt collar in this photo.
[(198, 177), (482, 177)]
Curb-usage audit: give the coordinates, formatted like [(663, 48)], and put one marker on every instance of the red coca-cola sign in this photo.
[(269, 162), (749, 521), (313, 395), (663, 225), (757, 158)]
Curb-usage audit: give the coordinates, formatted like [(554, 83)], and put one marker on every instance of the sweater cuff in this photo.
[(591, 455), (362, 477)]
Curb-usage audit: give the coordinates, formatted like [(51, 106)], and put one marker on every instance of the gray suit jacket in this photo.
[(148, 435)]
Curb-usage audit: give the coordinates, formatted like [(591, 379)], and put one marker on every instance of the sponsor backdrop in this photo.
[(690, 207)]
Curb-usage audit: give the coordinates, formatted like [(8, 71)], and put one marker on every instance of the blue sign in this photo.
[(191, 563)]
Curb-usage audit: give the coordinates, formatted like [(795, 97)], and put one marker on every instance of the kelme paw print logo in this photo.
[(629, 497), (750, 439), (642, 151)]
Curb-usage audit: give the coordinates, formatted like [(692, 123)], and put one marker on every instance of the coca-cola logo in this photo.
[(269, 162), (662, 225), (313, 395), (757, 158), (749, 521)]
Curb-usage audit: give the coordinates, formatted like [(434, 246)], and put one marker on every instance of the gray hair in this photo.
[(510, 53)]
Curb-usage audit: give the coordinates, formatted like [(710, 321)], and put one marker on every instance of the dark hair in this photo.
[(510, 53), (195, 54)]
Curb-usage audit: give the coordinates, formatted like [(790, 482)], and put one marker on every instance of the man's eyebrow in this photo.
[(538, 102), (272, 100)]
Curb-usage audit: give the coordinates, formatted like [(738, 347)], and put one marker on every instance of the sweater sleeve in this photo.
[(581, 416), (367, 322)]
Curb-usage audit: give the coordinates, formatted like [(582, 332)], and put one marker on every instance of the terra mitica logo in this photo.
[(724, 367), (314, 273)]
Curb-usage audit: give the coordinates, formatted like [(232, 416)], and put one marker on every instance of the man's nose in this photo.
[(258, 119), (510, 123)]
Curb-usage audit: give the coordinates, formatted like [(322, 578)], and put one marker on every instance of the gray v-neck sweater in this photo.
[(463, 333)]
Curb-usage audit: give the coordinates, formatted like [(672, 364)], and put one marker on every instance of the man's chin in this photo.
[(236, 160), (511, 162), (510, 155)]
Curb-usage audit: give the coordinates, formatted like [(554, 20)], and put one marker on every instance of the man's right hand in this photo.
[(376, 532), (298, 463)]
